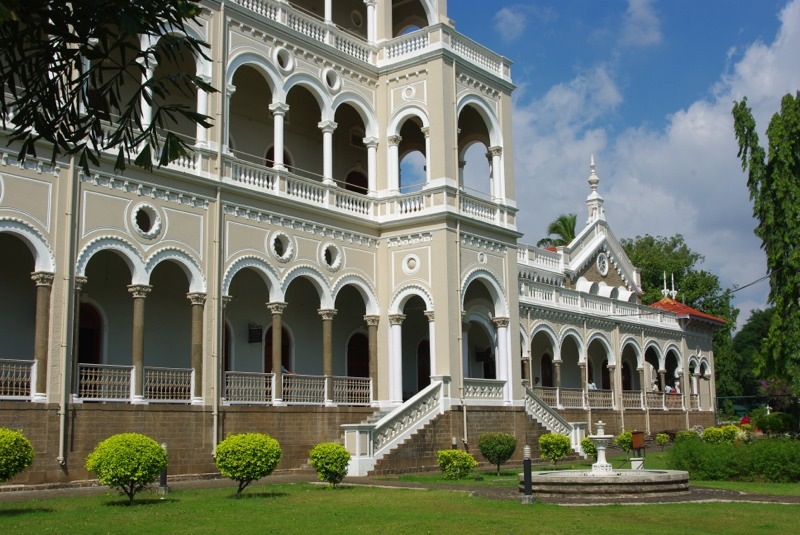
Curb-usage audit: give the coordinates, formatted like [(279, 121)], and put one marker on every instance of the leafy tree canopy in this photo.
[(747, 344), (561, 231), (76, 76), (774, 183)]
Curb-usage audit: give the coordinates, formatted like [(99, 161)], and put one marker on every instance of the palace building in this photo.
[(338, 260)]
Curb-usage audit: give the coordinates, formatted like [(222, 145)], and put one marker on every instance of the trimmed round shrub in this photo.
[(455, 464), (247, 457), (330, 461), (662, 439), (589, 448), (16, 453), (128, 462), (554, 446), (686, 434), (713, 435), (624, 441), (497, 447)]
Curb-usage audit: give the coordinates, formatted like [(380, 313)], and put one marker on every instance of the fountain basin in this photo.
[(618, 483)]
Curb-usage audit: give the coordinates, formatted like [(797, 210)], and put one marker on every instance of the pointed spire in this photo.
[(594, 202), (665, 292), (674, 292)]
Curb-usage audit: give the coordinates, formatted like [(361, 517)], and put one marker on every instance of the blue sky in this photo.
[(646, 86)]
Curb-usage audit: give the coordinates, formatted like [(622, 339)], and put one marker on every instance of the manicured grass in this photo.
[(305, 508)]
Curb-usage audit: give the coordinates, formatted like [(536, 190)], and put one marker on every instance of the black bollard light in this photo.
[(527, 483)]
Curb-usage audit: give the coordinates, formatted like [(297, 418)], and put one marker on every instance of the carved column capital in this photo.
[(139, 290), (80, 282), (277, 307), (372, 320), (396, 319), (429, 314), (500, 322), (327, 313), (42, 278), (279, 108), (395, 140), (196, 298)]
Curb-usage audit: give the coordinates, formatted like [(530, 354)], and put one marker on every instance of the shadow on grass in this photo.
[(123, 502), (252, 495), (24, 511)]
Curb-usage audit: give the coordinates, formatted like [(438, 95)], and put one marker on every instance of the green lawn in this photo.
[(307, 508)]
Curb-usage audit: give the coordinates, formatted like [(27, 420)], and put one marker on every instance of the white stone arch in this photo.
[(572, 332), (475, 315), (551, 334), (260, 266), (43, 258), (705, 367), (407, 292), (693, 362), (659, 354), (679, 358), (149, 40), (125, 249), (314, 86), (597, 335), (362, 286), (487, 114), (187, 263), (101, 311), (632, 341), (401, 115), (317, 280), (492, 285), (362, 107), (251, 57)]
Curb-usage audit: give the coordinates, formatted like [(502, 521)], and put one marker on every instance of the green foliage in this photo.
[(16, 453), (747, 344), (554, 447), (455, 464), (766, 460), (718, 435), (774, 184), (686, 434), (662, 439), (776, 423), (624, 441), (330, 460), (589, 448), (497, 447), (91, 50), (247, 457), (561, 231), (128, 462)]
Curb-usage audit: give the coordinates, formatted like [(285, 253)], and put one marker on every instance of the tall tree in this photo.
[(561, 231), (63, 66), (774, 183), (747, 343), (700, 289)]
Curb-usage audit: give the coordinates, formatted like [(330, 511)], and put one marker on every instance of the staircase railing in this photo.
[(368, 442), (552, 421)]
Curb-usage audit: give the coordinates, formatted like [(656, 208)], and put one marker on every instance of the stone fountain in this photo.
[(602, 481)]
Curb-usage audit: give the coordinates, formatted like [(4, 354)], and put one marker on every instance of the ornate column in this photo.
[(501, 324), (328, 11), (431, 340), (662, 379), (279, 111), (197, 301), (146, 108), (139, 293), (277, 359), (201, 134), (372, 162), (427, 133), (584, 373), (465, 348), (394, 163), (372, 334), (327, 128), (696, 388), (370, 20), (80, 282), (495, 153), (44, 284), (230, 89), (642, 386), (612, 381), (396, 357), (327, 350), (557, 372)]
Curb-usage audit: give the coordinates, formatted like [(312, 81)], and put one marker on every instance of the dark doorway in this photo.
[(90, 335), (423, 364), (358, 356)]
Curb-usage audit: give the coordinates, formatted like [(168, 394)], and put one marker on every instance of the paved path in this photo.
[(695, 494)]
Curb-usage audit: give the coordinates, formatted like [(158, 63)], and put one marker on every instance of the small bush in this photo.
[(128, 462), (589, 448), (330, 460), (247, 457), (554, 446), (713, 435), (16, 453), (686, 434), (455, 464), (662, 439), (624, 441), (497, 447)]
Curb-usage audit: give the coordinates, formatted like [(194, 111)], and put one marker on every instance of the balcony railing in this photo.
[(168, 385), (484, 390), (600, 399), (248, 388), (632, 399), (16, 379), (105, 382), (352, 390)]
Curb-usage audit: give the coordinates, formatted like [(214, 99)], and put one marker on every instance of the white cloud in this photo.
[(641, 25), (680, 177), (510, 22)]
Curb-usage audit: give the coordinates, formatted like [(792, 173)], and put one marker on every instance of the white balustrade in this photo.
[(352, 390), (104, 382), (250, 388), (167, 385), (16, 379)]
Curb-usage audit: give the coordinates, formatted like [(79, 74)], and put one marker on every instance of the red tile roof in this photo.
[(685, 311)]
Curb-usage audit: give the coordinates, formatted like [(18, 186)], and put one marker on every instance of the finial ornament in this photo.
[(665, 292), (594, 202)]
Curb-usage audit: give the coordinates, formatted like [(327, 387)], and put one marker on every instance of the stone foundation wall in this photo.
[(187, 431)]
